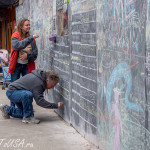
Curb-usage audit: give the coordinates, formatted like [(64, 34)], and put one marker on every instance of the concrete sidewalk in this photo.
[(52, 133)]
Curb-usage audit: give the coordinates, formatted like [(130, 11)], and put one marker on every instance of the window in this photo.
[(63, 21)]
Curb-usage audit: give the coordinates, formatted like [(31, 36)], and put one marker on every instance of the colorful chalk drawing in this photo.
[(122, 23), (120, 71), (118, 124), (120, 57), (117, 120)]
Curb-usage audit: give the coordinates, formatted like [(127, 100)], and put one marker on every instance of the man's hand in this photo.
[(35, 36), (60, 104)]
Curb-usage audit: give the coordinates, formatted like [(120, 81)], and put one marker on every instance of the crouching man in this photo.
[(22, 91)]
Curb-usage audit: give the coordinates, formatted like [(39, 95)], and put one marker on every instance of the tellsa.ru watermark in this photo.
[(16, 144)]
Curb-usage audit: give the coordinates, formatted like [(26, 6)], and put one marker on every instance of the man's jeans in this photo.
[(23, 100)]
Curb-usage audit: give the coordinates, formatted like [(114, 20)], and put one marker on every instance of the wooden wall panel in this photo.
[(0, 35), (9, 16), (3, 34)]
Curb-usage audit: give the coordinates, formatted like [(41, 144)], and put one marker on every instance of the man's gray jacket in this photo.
[(34, 82)]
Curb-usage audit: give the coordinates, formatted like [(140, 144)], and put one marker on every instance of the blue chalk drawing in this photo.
[(137, 46), (120, 71), (100, 92), (99, 88), (123, 43)]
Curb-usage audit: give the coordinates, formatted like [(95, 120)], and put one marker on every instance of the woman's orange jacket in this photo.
[(14, 54)]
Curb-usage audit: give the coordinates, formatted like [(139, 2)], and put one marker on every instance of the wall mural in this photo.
[(104, 65), (122, 75)]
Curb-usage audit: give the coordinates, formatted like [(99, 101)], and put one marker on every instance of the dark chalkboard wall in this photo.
[(75, 60), (61, 63), (103, 63), (104, 81), (84, 69)]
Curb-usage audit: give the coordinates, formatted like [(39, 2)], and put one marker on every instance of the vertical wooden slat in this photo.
[(3, 34), (0, 34), (10, 32), (10, 28), (7, 34), (13, 13)]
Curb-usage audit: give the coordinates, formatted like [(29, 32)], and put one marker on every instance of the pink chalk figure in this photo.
[(117, 120)]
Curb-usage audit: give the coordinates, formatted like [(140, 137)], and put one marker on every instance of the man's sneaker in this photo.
[(34, 120), (31, 120), (3, 109)]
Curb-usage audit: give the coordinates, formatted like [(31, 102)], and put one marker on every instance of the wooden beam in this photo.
[(7, 20), (7, 34), (13, 13), (9, 29), (3, 34), (0, 35)]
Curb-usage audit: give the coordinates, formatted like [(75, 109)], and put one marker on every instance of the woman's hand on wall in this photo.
[(35, 36)]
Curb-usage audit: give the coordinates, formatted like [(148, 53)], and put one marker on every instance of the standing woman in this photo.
[(23, 51)]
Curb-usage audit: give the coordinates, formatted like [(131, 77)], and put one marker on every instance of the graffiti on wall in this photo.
[(121, 79), (109, 39)]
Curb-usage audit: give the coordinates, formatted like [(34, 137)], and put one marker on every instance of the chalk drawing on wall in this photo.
[(121, 71), (26, 9), (116, 128), (117, 119), (19, 10), (121, 54), (121, 107)]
